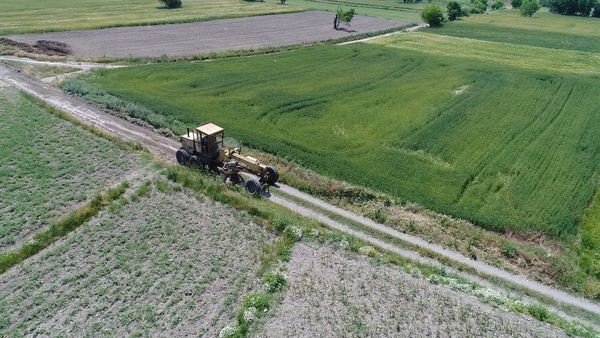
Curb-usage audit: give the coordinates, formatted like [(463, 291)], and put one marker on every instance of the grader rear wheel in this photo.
[(183, 157), (253, 187)]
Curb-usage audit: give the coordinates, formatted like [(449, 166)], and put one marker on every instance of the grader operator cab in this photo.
[(204, 147)]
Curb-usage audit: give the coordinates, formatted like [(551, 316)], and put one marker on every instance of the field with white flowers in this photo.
[(160, 262), (336, 294)]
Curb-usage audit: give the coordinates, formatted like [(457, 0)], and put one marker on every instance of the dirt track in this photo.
[(211, 36), (166, 147)]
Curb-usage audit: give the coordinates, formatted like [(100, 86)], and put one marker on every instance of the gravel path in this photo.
[(166, 148), (211, 36)]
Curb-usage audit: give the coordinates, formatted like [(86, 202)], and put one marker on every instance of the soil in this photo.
[(163, 265), (211, 36), (40, 47), (333, 293)]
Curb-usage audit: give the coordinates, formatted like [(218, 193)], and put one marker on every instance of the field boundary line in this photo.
[(406, 30)]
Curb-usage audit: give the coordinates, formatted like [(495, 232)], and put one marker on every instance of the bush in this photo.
[(454, 10), (480, 5), (538, 311), (516, 3), (257, 300), (433, 15), (529, 7), (171, 3), (509, 250), (274, 281), (499, 4)]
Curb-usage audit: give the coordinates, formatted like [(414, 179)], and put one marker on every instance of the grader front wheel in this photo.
[(271, 175)]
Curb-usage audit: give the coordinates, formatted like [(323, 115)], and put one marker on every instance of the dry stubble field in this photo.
[(165, 263), (335, 294)]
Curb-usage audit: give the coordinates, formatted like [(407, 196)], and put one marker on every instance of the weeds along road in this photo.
[(283, 195)]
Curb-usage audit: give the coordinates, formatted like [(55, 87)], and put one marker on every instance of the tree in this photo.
[(454, 10), (433, 15), (596, 10), (498, 5), (171, 3), (343, 16), (529, 7), (516, 3), (572, 7)]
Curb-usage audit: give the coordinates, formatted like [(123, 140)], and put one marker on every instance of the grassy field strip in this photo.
[(62, 227), (536, 38), (521, 56), (478, 266), (541, 22), (33, 16), (42, 176)]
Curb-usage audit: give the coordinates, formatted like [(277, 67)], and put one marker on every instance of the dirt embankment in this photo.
[(40, 47)]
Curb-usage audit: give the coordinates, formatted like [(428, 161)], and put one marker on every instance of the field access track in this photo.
[(211, 36)]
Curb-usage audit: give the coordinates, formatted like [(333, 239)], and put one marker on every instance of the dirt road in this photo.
[(285, 195), (211, 36)]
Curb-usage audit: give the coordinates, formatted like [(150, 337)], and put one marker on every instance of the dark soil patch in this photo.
[(42, 47)]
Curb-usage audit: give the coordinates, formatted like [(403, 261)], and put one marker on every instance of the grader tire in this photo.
[(271, 175), (253, 187), (183, 157)]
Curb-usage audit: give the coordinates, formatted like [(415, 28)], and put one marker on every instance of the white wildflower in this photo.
[(228, 331), (250, 314)]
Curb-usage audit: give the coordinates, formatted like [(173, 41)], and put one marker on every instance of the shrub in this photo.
[(433, 15), (294, 233), (538, 311), (499, 4), (529, 7), (508, 249), (257, 300), (516, 3), (367, 250), (480, 5), (454, 10), (280, 224), (171, 3), (274, 281)]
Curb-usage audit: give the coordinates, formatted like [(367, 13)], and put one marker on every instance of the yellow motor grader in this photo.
[(203, 147)]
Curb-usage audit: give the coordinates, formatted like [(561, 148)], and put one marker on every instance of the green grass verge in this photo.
[(512, 55), (62, 227), (542, 21), (523, 36), (31, 16), (456, 136)]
